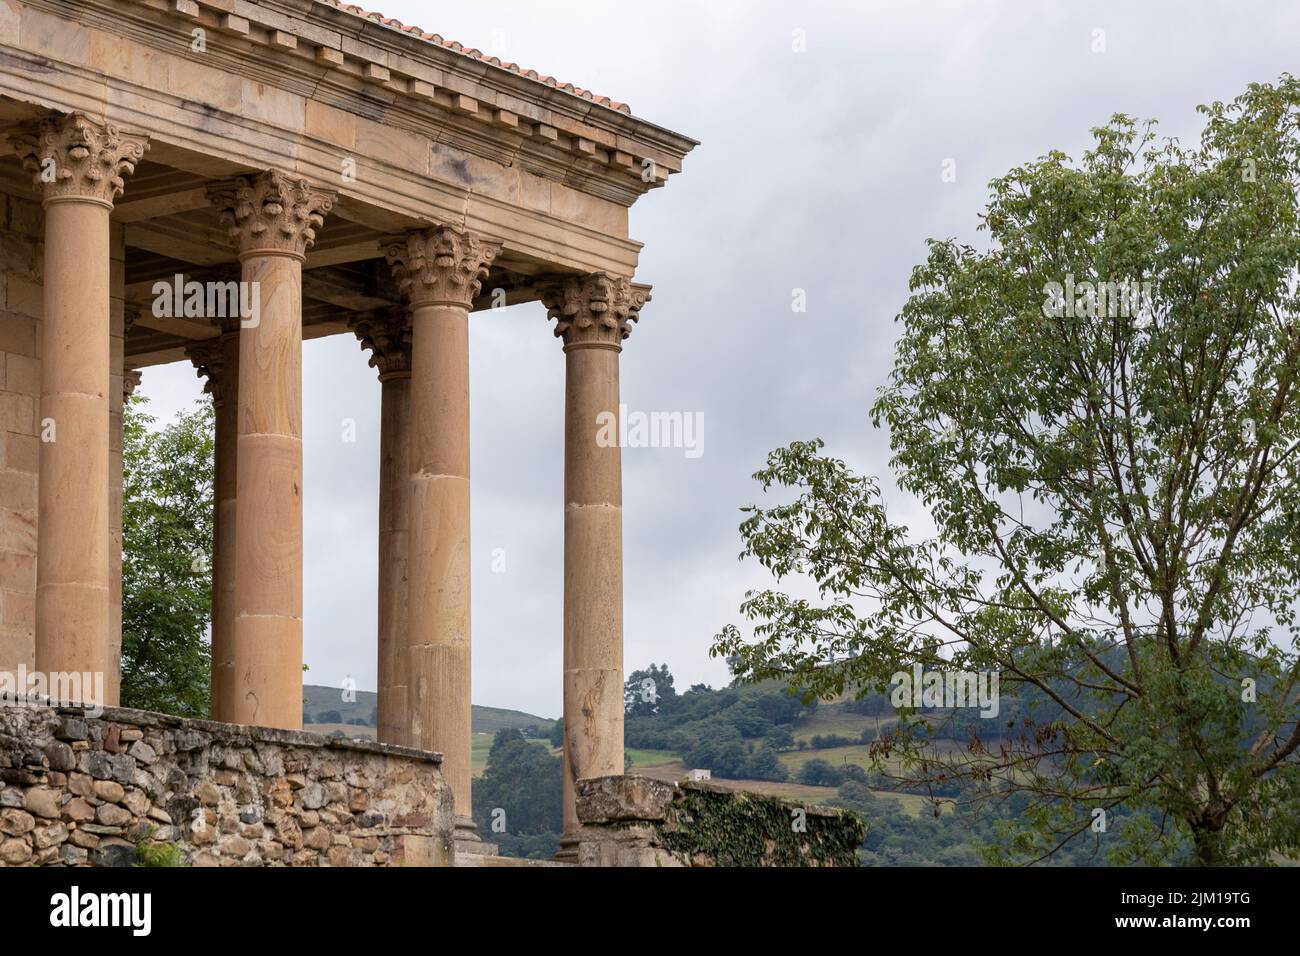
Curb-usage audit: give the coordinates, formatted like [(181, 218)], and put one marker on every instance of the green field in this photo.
[(481, 744), (664, 765), (651, 758), (834, 719)]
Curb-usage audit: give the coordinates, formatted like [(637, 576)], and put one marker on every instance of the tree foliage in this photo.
[(167, 557), (1112, 484), (645, 691), (518, 801)]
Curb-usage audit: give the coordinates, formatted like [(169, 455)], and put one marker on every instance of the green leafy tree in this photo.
[(521, 790), (821, 773), (764, 764), (166, 564), (780, 739), (645, 692), (1099, 410)]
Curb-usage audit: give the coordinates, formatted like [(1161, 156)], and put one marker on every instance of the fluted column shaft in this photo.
[(78, 165), (594, 315), (272, 221), (440, 272)]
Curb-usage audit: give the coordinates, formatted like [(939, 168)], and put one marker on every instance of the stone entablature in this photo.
[(409, 131), (566, 136), (81, 790)]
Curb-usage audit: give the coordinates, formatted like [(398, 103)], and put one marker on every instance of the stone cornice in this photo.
[(441, 265), (593, 311), (239, 735), (271, 212), (329, 53), (75, 157), (232, 139)]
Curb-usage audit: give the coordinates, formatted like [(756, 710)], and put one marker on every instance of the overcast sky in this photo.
[(820, 170)]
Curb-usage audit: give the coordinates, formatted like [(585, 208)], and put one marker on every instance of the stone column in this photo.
[(272, 221), (440, 272), (218, 361), (78, 165), (388, 337), (122, 386), (130, 382), (594, 315)]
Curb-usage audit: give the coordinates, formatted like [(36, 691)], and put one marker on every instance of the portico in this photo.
[(355, 177)]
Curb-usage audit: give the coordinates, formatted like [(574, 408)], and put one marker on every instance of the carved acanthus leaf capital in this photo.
[(209, 359), (388, 338), (271, 212), (131, 313), (75, 157), (596, 309), (440, 266), (130, 382)]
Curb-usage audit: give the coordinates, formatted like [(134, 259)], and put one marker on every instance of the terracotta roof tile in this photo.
[(479, 55)]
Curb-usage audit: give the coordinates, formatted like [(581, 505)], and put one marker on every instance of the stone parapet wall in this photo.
[(115, 789), (639, 821)]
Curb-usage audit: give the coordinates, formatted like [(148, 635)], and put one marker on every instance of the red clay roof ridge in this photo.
[(479, 55)]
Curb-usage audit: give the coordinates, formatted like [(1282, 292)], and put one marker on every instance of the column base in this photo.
[(568, 852), (469, 843)]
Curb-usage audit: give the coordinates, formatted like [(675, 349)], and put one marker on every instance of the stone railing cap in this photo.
[(224, 732), (627, 797)]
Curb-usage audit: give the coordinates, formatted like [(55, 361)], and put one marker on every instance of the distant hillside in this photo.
[(326, 706)]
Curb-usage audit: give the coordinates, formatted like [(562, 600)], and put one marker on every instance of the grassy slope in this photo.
[(481, 743), (828, 719)]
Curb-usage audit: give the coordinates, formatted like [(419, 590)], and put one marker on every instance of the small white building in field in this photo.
[(695, 776)]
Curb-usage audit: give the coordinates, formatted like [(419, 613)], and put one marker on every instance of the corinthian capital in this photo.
[(271, 212), (209, 361), (388, 337), (74, 157), (596, 309), (440, 266), (130, 382)]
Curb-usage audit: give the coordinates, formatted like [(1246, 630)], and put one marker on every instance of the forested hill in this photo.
[(325, 710)]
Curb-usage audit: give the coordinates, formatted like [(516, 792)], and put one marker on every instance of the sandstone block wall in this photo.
[(78, 790), (639, 821), (22, 225), (22, 256)]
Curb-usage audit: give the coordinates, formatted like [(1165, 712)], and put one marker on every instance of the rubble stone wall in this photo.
[(639, 821), (130, 786)]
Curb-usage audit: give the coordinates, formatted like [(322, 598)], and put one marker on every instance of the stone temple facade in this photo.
[(311, 169)]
